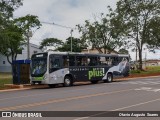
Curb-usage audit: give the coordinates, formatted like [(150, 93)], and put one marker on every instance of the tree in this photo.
[(54, 42), (12, 41), (77, 45), (154, 32), (137, 16), (10, 35), (28, 23), (103, 33), (123, 51), (14, 35), (7, 7)]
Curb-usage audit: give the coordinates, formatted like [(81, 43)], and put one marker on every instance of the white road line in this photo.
[(143, 83), (122, 108), (151, 82)]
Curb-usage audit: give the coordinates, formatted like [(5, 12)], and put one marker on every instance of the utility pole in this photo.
[(29, 34), (71, 40)]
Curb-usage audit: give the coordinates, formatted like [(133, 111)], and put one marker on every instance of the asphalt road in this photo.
[(141, 94)]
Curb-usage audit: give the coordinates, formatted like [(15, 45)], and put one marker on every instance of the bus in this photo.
[(66, 68)]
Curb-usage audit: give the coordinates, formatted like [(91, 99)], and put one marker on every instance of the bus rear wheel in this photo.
[(109, 78), (94, 81), (67, 81)]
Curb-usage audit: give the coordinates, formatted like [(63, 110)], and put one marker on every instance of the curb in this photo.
[(21, 87), (10, 90)]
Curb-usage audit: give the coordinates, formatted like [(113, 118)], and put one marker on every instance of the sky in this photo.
[(67, 13)]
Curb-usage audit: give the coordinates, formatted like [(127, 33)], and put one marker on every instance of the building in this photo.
[(152, 62), (6, 67)]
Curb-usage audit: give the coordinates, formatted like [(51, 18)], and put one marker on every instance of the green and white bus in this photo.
[(66, 68)]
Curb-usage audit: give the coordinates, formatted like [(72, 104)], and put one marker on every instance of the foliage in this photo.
[(77, 45), (28, 23), (103, 33), (138, 16), (123, 51), (154, 33), (12, 39), (14, 31), (7, 8), (54, 42)]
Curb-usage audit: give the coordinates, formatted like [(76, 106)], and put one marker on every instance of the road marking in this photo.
[(118, 109), (142, 82), (61, 100), (148, 89)]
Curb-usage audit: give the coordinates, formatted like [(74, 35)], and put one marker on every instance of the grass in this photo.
[(148, 70), (5, 78)]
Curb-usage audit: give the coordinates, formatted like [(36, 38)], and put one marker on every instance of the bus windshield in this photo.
[(39, 66)]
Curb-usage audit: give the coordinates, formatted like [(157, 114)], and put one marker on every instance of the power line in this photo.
[(51, 24), (58, 25)]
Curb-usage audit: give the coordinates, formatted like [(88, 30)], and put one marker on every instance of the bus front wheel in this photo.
[(67, 81)]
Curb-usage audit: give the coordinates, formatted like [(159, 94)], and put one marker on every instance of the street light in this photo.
[(71, 39)]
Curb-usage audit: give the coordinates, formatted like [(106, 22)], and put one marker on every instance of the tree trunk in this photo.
[(140, 58)]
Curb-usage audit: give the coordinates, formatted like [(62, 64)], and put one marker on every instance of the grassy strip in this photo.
[(4, 81), (148, 70), (5, 78)]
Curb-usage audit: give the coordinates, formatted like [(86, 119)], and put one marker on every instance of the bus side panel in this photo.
[(57, 76), (79, 73), (122, 69), (88, 73)]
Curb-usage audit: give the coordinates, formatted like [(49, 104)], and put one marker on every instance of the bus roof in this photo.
[(87, 54)]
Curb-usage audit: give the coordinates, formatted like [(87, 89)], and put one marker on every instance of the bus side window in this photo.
[(109, 61), (55, 63), (65, 61), (84, 61), (81, 60), (71, 60), (92, 61), (120, 59), (78, 60), (103, 61), (114, 60)]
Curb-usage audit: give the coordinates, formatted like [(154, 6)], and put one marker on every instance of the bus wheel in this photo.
[(52, 85), (67, 81), (94, 81), (109, 78)]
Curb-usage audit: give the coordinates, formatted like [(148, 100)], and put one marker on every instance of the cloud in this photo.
[(63, 12), (67, 13)]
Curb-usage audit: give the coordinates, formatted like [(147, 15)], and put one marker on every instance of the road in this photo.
[(141, 94)]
